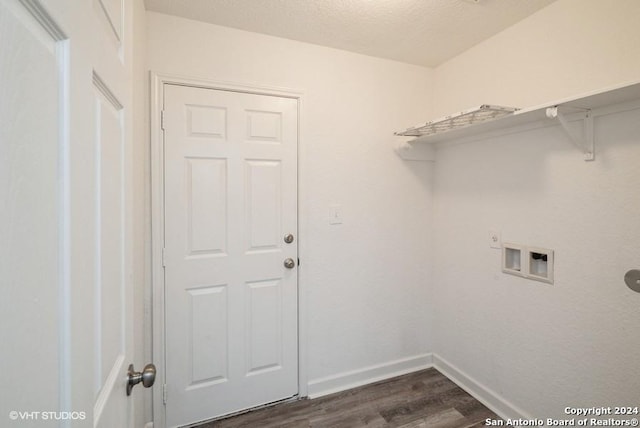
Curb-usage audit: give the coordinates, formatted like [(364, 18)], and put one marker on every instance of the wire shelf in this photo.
[(484, 113)]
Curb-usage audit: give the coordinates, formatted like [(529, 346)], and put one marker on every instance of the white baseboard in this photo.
[(355, 378), (498, 404)]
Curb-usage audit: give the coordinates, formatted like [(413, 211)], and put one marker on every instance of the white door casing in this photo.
[(65, 97), (230, 188)]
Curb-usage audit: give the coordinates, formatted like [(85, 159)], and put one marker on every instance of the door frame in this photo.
[(155, 317)]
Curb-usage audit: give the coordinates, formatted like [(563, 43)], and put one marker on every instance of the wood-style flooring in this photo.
[(416, 400)]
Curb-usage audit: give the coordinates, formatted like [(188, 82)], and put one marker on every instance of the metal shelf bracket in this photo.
[(585, 143)]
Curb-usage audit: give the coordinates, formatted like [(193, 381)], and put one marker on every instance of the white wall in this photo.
[(543, 347), (569, 47), (365, 281)]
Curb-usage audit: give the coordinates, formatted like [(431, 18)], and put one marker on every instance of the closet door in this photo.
[(65, 220)]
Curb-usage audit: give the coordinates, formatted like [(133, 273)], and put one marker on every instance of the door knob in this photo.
[(288, 238), (632, 278), (147, 377), (289, 263)]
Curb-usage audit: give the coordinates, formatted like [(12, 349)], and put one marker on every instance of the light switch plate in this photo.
[(335, 214), (495, 240)]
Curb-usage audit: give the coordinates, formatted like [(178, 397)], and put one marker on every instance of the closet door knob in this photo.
[(147, 377), (289, 263)]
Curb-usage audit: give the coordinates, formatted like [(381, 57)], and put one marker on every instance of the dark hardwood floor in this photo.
[(416, 400)]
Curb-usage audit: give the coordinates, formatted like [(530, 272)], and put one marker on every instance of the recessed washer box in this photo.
[(540, 264), (528, 262), (512, 259)]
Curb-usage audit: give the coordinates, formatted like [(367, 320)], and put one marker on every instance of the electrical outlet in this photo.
[(495, 241)]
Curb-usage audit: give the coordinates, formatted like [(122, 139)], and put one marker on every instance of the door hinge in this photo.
[(162, 120), (164, 394), (164, 262)]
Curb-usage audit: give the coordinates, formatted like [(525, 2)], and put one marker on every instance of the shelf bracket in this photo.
[(586, 144), (415, 152)]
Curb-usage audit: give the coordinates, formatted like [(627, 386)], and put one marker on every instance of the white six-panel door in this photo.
[(65, 219), (31, 228), (230, 198)]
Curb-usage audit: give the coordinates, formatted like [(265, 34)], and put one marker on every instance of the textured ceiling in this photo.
[(423, 32)]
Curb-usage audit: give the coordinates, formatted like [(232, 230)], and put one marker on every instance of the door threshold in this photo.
[(291, 399)]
